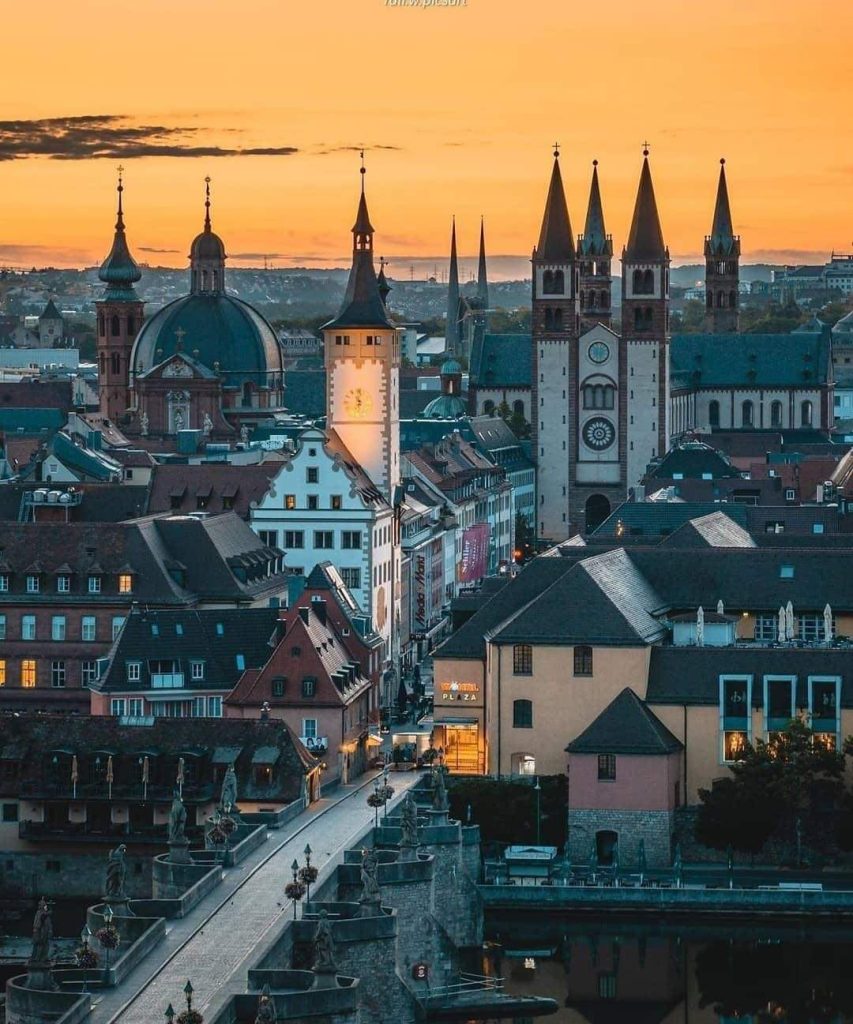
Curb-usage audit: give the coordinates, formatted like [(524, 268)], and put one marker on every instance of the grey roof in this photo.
[(626, 726), (645, 238), (722, 239), (603, 599), (691, 675), (715, 530), (654, 519), (799, 359), (595, 241), (694, 459), (556, 241), (501, 361)]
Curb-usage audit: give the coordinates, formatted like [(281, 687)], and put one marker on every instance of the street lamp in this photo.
[(170, 1014), (538, 789)]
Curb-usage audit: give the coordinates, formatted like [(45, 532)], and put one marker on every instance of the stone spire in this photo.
[(595, 240), (452, 329), (482, 277), (645, 239), (722, 236), (556, 243), (120, 271), (722, 266)]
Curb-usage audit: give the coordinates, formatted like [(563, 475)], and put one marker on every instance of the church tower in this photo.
[(119, 318), (595, 253), (645, 331), (207, 256), (722, 266), (362, 357), (451, 333), (482, 273), (554, 338)]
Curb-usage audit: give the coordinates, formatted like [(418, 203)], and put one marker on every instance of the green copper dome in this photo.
[(445, 407), (120, 271), (449, 367)]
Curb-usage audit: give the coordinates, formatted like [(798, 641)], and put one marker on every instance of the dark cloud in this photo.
[(110, 136), (281, 256), (326, 150), (151, 248)]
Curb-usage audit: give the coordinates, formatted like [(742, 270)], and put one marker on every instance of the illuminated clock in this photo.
[(599, 352), (598, 434), (357, 403)]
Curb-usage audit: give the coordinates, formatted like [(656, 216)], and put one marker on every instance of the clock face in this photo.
[(599, 352), (357, 403), (598, 434)]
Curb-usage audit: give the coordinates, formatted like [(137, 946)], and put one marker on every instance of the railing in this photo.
[(467, 985)]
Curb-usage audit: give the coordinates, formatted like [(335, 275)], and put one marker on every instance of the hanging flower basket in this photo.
[(86, 958), (190, 1017), (227, 824), (308, 874), (217, 835), (375, 800), (108, 937), (387, 792), (294, 890)]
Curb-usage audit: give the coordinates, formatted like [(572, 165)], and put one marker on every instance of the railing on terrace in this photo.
[(473, 985)]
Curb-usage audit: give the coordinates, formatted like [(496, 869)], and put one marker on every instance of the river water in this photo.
[(610, 971)]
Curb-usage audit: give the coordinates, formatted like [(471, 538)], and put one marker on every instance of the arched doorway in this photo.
[(606, 842), (597, 509)]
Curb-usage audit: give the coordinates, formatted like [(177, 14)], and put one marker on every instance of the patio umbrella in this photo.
[(789, 621), (730, 858), (74, 775), (110, 774), (641, 859), (721, 610), (145, 770), (827, 624), (781, 627), (700, 627)]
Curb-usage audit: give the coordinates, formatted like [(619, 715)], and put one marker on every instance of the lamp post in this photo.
[(538, 790), (307, 874), (170, 1014), (85, 935)]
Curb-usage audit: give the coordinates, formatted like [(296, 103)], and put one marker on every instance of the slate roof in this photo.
[(35, 394), (214, 636), (556, 240), (693, 459), (645, 238), (603, 599), (219, 485), (798, 359), (655, 519), (501, 361), (691, 675), (305, 392), (715, 530), (626, 726), (102, 503)]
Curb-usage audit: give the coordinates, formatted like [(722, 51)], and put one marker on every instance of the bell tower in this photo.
[(722, 266), (595, 254), (119, 318)]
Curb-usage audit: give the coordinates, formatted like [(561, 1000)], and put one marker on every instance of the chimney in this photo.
[(304, 613), (319, 606)]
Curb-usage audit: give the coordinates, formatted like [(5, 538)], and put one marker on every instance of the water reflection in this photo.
[(624, 973)]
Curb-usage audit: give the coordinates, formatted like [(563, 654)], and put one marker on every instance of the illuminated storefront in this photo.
[(459, 725)]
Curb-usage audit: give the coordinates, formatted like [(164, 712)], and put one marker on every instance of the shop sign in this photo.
[(459, 691)]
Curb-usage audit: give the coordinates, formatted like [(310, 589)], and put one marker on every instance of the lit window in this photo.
[(28, 673), (290, 501), (125, 583), (734, 745), (2, 671)]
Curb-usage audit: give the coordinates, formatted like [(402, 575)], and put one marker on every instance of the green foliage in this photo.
[(773, 319), (510, 321), (506, 810), (787, 787), (690, 319)]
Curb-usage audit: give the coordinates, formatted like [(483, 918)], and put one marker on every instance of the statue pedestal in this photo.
[(179, 851), (370, 907), (120, 906), (408, 853), (326, 979), (439, 817), (39, 976)]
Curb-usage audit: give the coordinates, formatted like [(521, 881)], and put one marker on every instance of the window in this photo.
[(28, 627), (214, 707), (57, 673), (4, 583), (28, 673), (269, 538), (278, 686), (88, 628), (786, 572), (125, 583), (606, 767), (32, 584), (313, 502), (324, 539), (118, 622), (735, 714), (351, 578), (94, 585), (290, 501), (714, 413), (196, 670), (522, 714), (766, 627), (607, 986), (312, 475), (2, 671), (10, 813), (309, 686), (522, 660), (117, 706), (351, 539), (57, 627), (806, 414), (790, 494), (135, 706), (309, 728), (583, 661), (134, 671), (88, 672), (775, 414), (779, 699), (747, 414), (337, 503), (294, 539), (2, 627)]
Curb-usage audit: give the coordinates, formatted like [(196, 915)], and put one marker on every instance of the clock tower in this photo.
[(362, 355)]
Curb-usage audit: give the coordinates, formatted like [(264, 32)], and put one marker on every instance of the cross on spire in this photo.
[(556, 150), (363, 169), (207, 203), (646, 146)]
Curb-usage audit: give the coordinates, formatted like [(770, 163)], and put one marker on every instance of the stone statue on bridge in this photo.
[(116, 873), (177, 819), (440, 801), (266, 1008), (370, 892), (324, 946), (228, 798), (42, 933), (409, 822)]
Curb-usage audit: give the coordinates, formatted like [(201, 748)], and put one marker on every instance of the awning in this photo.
[(225, 755), (266, 755), (374, 739)]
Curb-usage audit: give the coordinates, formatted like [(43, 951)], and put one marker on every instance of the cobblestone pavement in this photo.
[(214, 944)]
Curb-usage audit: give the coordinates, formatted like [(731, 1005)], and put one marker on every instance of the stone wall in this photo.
[(70, 873), (653, 827)]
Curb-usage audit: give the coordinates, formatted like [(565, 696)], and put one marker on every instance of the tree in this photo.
[(524, 541), (786, 787)]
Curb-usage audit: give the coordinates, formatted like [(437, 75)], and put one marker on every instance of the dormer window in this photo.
[(125, 583), (63, 584), (197, 670), (94, 585), (4, 583), (33, 585)]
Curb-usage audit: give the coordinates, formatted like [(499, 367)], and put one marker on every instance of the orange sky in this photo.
[(470, 98)]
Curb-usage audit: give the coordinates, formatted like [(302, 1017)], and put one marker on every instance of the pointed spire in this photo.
[(482, 276), (119, 271), (722, 233), (452, 329), (207, 227), (645, 239), (556, 243), (382, 280), (595, 240), (362, 230)]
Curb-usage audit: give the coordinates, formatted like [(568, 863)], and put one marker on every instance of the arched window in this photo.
[(131, 325), (102, 326), (559, 282), (648, 283), (776, 414), (103, 363), (638, 318), (522, 714), (647, 317), (721, 299), (548, 283), (558, 319), (583, 661), (116, 362), (115, 327), (732, 300), (549, 319), (746, 412), (488, 407), (637, 281), (714, 413), (247, 393), (583, 299), (604, 301), (518, 408), (806, 414)]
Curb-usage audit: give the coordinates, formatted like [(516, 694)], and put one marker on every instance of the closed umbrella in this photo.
[(781, 628), (593, 859), (700, 627), (180, 776), (677, 865), (641, 859), (74, 775), (145, 770), (616, 862), (110, 774), (720, 607), (789, 621), (827, 624)]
